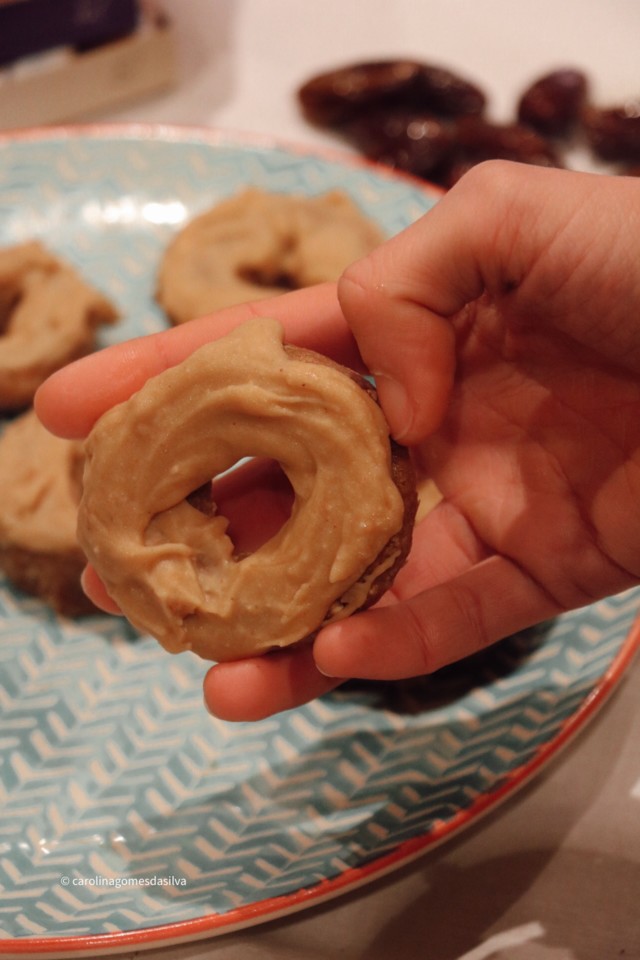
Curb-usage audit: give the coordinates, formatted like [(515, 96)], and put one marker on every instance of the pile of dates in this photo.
[(431, 122)]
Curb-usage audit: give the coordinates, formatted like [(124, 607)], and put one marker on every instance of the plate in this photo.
[(129, 818)]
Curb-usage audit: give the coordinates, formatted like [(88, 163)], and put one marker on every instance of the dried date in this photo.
[(476, 140), (351, 92), (614, 133), (552, 105), (417, 143), (486, 141), (448, 94), (338, 96), (429, 121)]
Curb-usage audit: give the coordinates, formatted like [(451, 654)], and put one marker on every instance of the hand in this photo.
[(502, 328), (504, 331)]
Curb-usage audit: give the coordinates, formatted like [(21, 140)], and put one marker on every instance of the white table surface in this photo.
[(555, 873)]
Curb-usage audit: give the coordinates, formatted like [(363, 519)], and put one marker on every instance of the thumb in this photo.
[(399, 300), (407, 348)]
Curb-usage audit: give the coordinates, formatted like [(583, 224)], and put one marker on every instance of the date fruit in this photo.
[(417, 143), (614, 133), (476, 140), (552, 105), (351, 92), (510, 141), (337, 96), (449, 94)]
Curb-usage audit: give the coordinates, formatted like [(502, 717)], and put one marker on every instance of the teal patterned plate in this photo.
[(129, 818)]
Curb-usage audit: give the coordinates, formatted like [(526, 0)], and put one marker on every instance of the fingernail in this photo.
[(330, 640), (329, 676), (396, 405)]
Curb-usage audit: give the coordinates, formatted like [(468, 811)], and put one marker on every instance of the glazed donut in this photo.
[(48, 317), (40, 479), (172, 570), (257, 244)]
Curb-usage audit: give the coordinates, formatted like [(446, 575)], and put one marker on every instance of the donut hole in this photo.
[(76, 470), (254, 496), (9, 300), (267, 276), (275, 270)]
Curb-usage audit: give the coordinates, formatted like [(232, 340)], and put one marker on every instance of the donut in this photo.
[(257, 244), (173, 570), (40, 479), (48, 317)]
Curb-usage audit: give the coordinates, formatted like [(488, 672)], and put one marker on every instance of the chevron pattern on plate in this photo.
[(123, 805), (111, 769)]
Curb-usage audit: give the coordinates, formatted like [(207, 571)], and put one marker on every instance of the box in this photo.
[(32, 26), (68, 86)]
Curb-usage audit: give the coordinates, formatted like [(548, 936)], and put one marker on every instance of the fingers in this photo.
[(256, 688), (95, 590), (72, 399), (407, 347), (454, 619)]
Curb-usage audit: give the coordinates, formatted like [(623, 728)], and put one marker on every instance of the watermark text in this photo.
[(117, 882)]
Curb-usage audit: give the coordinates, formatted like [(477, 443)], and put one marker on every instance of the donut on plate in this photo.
[(173, 570), (48, 317), (256, 244), (40, 479)]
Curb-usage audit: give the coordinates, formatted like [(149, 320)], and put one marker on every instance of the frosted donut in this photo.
[(173, 570), (40, 479), (257, 244), (48, 317)]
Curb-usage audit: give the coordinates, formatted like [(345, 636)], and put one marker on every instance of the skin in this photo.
[(504, 331)]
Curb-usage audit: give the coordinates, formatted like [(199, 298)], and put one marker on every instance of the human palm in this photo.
[(538, 461)]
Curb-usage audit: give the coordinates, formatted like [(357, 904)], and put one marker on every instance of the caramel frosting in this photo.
[(40, 477), (172, 569), (256, 244), (40, 483), (48, 317)]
